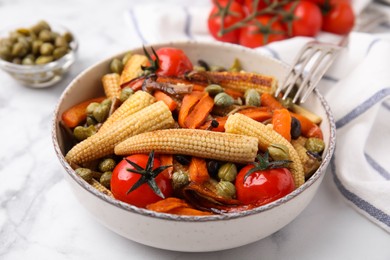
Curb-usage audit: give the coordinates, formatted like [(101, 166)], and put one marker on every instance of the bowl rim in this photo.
[(220, 217), (19, 68)]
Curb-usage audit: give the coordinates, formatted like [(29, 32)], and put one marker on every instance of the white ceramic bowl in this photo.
[(186, 233)]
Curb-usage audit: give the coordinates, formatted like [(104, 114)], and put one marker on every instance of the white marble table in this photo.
[(41, 219)]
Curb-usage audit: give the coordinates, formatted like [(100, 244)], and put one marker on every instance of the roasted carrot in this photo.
[(259, 114), (308, 128), (175, 206), (198, 170), (189, 212), (77, 113), (189, 101), (169, 101), (281, 121), (270, 101), (233, 93), (200, 112), (135, 84), (221, 124), (167, 159)]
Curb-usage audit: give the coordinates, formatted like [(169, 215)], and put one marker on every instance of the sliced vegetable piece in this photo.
[(308, 128), (198, 170), (189, 101), (281, 121), (270, 101), (200, 112), (169, 101)]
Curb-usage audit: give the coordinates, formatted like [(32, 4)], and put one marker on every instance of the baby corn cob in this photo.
[(194, 142), (241, 124), (310, 164), (111, 85), (101, 188), (134, 103), (153, 117), (133, 68)]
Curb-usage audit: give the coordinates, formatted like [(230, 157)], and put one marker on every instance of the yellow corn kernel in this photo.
[(111, 85), (241, 124), (242, 81), (133, 68), (309, 163), (101, 188), (194, 142), (153, 117), (133, 104)]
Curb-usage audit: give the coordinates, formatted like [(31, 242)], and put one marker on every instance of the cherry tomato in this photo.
[(122, 180), (307, 18), (263, 186), (234, 15), (262, 31), (340, 19), (173, 62)]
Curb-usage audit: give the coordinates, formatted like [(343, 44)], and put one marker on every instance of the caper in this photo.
[(226, 189), (106, 102), (45, 35), (59, 52), (19, 50), (28, 60), (106, 165), (44, 59), (46, 49), (84, 173), (81, 132), (278, 152), (296, 128), (100, 113), (126, 58), (105, 179), (223, 100), (236, 66), (227, 172), (26, 42), (287, 102), (238, 101), (213, 89), (5, 52), (60, 41), (126, 92), (41, 25), (90, 120), (252, 98), (315, 145), (17, 60), (14, 36), (212, 168), (116, 66), (24, 31), (179, 179), (36, 46), (91, 107), (68, 36)]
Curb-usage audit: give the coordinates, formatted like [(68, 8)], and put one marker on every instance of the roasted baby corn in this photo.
[(133, 68), (200, 143), (133, 104), (101, 188), (111, 85), (153, 117), (309, 163), (241, 124)]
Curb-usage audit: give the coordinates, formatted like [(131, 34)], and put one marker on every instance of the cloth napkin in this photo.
[(357, 88)]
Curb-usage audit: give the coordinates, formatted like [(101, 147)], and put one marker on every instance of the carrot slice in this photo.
[(77, 114), (270, 101), (189, 101), (281, 121), (259, 114), (221, 124), (167, 159), (308, 128), (176, 206), (159, 95), (198, 170), (135, 84), (200, 112), (189, 212)]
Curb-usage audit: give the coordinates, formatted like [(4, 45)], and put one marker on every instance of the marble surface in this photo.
[(41, 219)]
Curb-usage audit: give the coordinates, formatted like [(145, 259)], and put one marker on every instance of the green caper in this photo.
[(125, 94), (105, 179), (5, 52), (59, 52), (116, 66), (106, 102), (91, 107), (126, 58), (28, 60), (81, 132), (236, 66), (226, 189), (227, 172), (13, 36), (278, 152), (315, 145), (44, 59), (68, 36), (223, 100), (24, 31), (85, 173), (19, 49), (213, 89), (287, 102), (60, 41), (41, 25), (100, 113), (179, 179), (36, 46), (91, 120), (46, 49), (26, 42), (252, 98), (106, 165), (45, 35)]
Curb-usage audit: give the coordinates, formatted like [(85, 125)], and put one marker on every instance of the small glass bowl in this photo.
[(45, 75)]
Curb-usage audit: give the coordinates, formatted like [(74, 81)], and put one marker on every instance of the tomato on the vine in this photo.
[(234, 14), (339, 19), (261, 5), (264, 29), (125, 180), (172, 62)]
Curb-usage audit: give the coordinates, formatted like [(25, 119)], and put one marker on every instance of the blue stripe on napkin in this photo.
[(382, 171), (136, 26)]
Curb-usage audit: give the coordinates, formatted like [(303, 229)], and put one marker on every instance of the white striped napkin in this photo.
[(357, 88)]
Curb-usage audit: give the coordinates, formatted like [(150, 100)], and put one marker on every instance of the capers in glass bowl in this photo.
[(37, 54)]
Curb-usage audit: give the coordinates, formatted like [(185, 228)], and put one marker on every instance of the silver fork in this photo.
[(321, 55)]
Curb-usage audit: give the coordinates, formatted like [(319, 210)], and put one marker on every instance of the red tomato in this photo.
[(263, 186), (122, 180), (261, 5), (173, 62), (340, 19), (262, 31), (234, 15), (306, 20)]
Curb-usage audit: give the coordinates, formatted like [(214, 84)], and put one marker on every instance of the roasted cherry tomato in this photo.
[(263, 186), (339, 18), (172, 62), (263, 30), (123, 179), (234, 14)]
